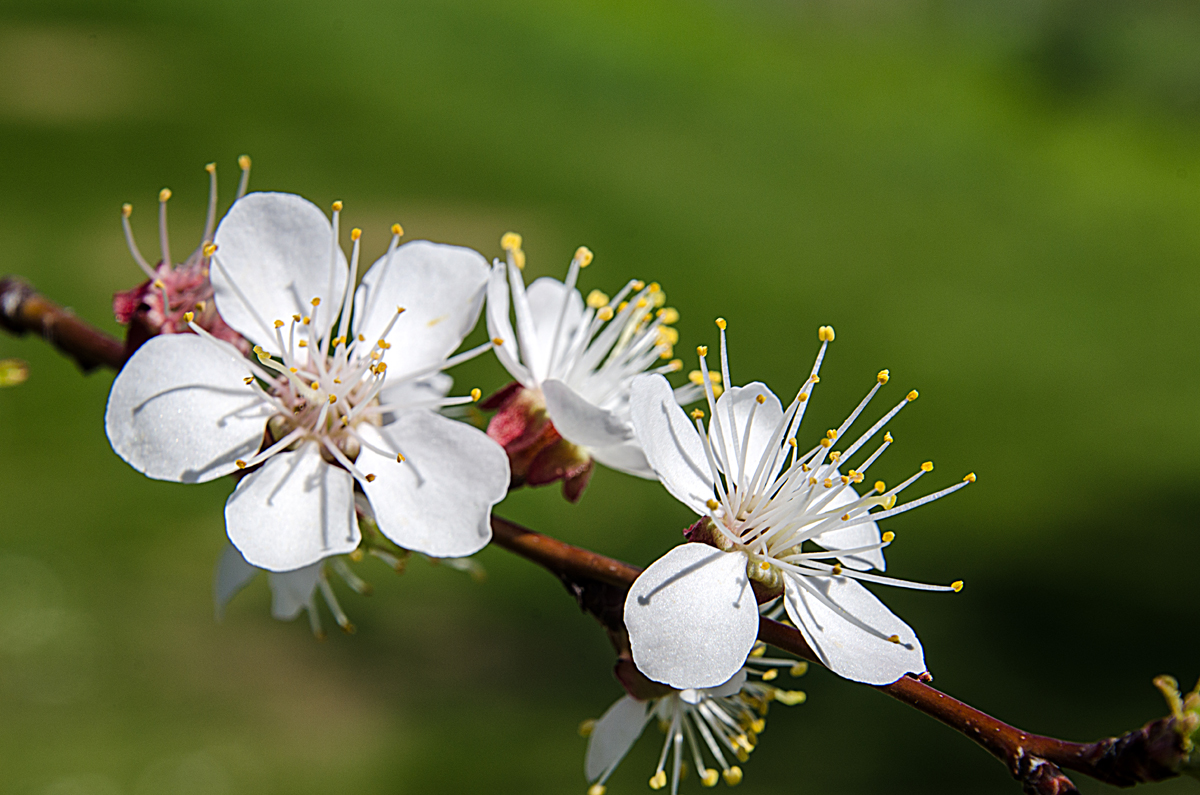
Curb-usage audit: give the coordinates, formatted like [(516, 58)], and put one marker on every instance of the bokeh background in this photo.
[(996, 200)]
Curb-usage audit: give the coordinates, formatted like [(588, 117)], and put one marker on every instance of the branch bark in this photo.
[(1155, 752)]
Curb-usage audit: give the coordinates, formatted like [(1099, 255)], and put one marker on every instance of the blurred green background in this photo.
[(997, 201)]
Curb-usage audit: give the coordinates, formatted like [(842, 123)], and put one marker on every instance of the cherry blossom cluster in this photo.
[(264, 357)]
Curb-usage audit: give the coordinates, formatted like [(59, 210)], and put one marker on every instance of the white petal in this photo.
[(419, 393), (232, 575), (500, 327), (692, 617), (626, 457), (273, 257), (293, 511), (613, 735), (546, 297), (581, 422), (845, 648), (439, 501), (729, 688), (441, 289), (179, 410), (670, 441), (734, 408), (859, 535), (292, 591)]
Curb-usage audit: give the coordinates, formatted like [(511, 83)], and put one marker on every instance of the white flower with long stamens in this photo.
[(786, 521), (580, 356), (322, 406), (721, 723)]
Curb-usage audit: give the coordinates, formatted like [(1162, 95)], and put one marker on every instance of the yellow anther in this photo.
[(708, 778), (733, 776), (519, 259), (721, 323), (302, 343), (888, 537), (606, 313), (240, 464), (826, 443), (764, 566), (712, 504), (889, 502), (400, 310), (970, 478), (798, 669), (911, 396), (894, 638), (828, 483), (667, 335), (659, 780), (355, 233), (771, 674), (803, 396), (597, 789), (583, 255), (675, 365), (210, 249), (759, 649), (400, 458), (717, 390), (792, 441), (381, 367), (831, 433), (887, 437), (837, 569), (760, 399), (296, 318), (164, 194), (337, 207), (790, 698), (845, 480), (159, 284), (587, 727), (812, 481), (696, 377), (294, 369), (384, 344), (835, 456), (361, 338), (697, 414), (805, 468), (927, 466), (249, 380), (126, 209), (596, 299), (638, 284), (244, 162), (668, 315), (189, 316), (278, 324), (315, 385), (397, 230), (510, 241), (333, 398), (957, 585), (654, 287), (816, 379), (621, 306), (476, 394), (883, 376), (201, 306), (825, 333), (702, 350)]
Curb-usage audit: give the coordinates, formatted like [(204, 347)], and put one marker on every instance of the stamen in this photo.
[(244, 183), (163, 196), (126, 211)]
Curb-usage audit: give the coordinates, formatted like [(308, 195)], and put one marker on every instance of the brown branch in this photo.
[(1155, 752), (22, 309)]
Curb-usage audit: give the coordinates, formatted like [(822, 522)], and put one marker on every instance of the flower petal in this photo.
[(729, 688), (500, 327), (581, 422), (613, 735), (292, 591), (670, 442), (179, 410), (274, 255), (441, 289), (293, 511), (416, 393), (626, 457), (439, 501), (232, 575), (692, 617), (843, 646), (734, 408), (859, 535), (546, 298)]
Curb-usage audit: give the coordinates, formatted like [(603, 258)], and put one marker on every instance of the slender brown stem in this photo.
[(1153, 753)]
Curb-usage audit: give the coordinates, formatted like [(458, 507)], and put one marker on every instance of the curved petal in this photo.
[(292, 591), (670, 441), (179, 410), (692, 617), (293, 511), (546, 299), (844, 647), (232, 575), (613, 735), (729, 688), (275, 254), (581, 422), (500, 327), (859, 535), (439, 501), (734, 408), (441, 289), (626, 457)]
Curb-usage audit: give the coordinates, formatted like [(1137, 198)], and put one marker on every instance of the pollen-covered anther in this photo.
[(302, 343), (702, 350), (278, 324), (799, 669), (384, 344), (638, 284), (835, 456), (837, 569), (315, 385), (828, 483), (596, 299), (911, 396), (770, 674), (355, 233), (333, 398), (889, 502), (510, 241), (240, 464), (675, 365), (315, 302), (476, 394), (721, 324), (497, 340), (370, 478), (381, 368), (164, 194), (826, 443), (887, 437), (658, 780), (397, 230), (888, 537), (244, 162), (894, 638), (583, 255), (845, 480), (883, 376), (712, 504), (792, 441), (825, 334), (927, 466), (126, 209), (710, 777), (248, 380), (957, 585), (159, 284), (970, 478), (201, 306), (733, 776), (760, 399), (606, 313), (597, 789), (697, 414), (337, 206), (400, 458), (188, 317), (764, 565), (210, 249), (790, 698)]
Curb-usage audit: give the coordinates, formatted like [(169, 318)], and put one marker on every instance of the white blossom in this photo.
[(336, 405), (791, 522)]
